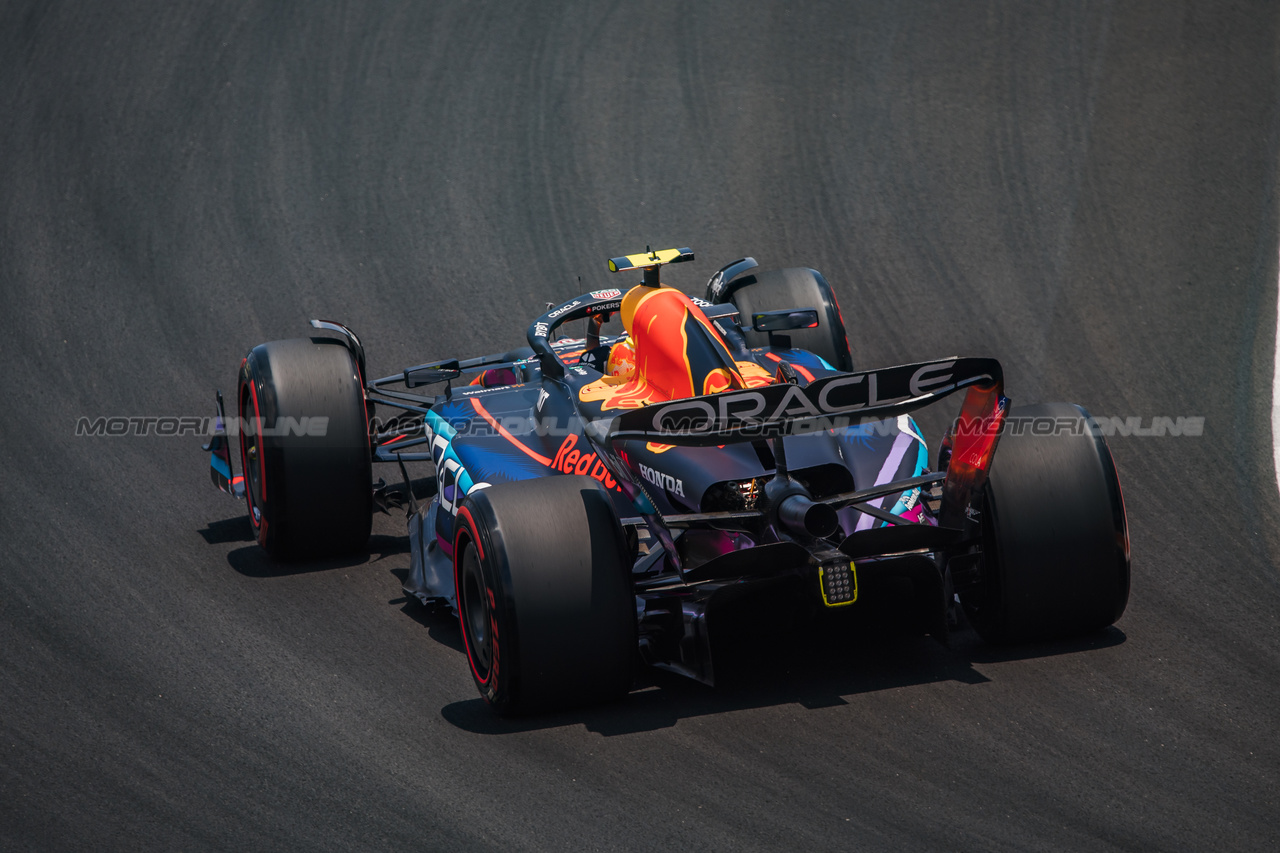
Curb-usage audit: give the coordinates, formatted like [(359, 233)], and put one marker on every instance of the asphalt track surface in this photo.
[(1086, 191)]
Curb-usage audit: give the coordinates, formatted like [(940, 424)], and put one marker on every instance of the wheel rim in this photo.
[(476, 615)]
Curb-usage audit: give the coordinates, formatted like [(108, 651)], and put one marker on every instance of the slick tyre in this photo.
[(1056, 541), (304, 445), (775, 290), (544, 594)]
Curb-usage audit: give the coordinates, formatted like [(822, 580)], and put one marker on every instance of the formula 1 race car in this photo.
[(598, 497)]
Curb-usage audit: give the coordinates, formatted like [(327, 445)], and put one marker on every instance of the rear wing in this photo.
[(836, 402), (832, 402)]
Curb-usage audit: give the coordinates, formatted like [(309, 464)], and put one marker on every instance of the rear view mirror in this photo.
[(429, 374), (781, 321)]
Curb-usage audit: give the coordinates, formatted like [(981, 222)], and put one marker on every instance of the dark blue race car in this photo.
[(597, 497)]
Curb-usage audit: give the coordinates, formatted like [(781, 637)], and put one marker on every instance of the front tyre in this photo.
[(1056, 552), (304, 447), (544, 594)]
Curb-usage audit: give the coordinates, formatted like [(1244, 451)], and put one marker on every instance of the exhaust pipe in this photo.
[(801, 515)]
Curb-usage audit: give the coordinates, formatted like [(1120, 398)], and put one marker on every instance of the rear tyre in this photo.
[(544, 594), (1056, 541), (304, 447), (775, 290)]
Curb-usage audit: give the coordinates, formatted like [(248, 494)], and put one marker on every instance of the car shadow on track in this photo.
[(814, 668), (761, 659), (227, 530), (252, 561), (441, 624)]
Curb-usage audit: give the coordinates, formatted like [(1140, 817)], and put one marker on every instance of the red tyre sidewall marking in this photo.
[(262, 471), (470, 529), (262, 456)]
